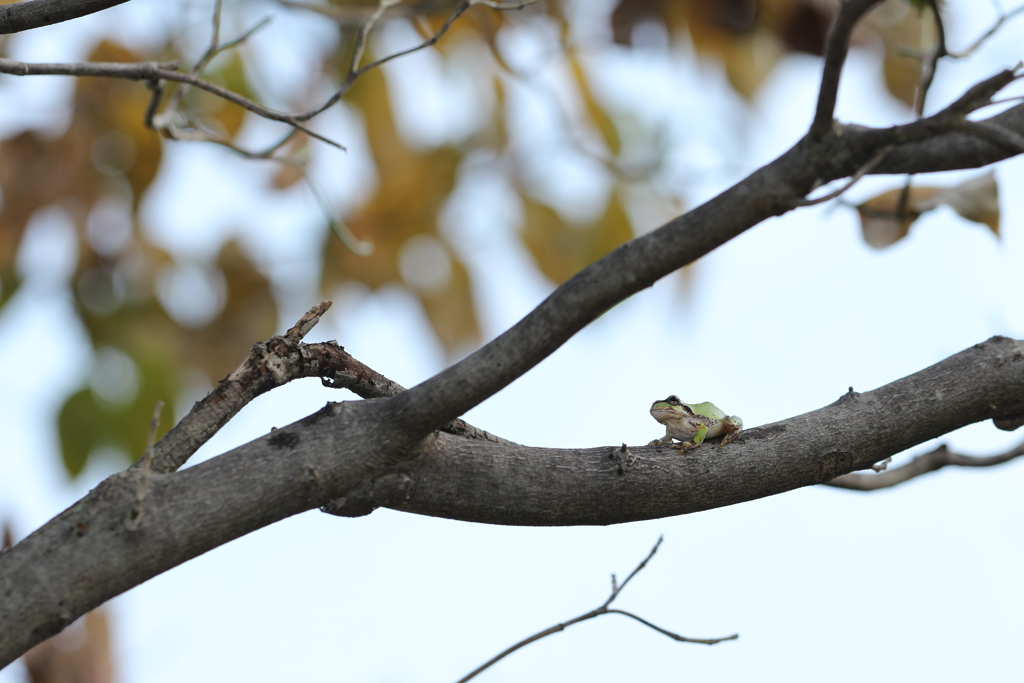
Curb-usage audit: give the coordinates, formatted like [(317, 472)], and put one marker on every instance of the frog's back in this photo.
[(709, 409)]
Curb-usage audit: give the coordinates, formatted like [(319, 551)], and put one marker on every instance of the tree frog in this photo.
[(691, 423)]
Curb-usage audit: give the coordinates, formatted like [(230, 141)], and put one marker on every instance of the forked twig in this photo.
[(355, 71), (603, 609), (922, 464), (860, 173)]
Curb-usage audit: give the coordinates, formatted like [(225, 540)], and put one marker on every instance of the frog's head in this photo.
[(670, 406), (670, 403)]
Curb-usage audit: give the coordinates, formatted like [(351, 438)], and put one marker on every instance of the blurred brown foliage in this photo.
[(107, 156)]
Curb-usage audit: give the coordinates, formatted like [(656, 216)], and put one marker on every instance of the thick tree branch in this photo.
[(474, 481), (324, 456), (23, 16), (922, 464)]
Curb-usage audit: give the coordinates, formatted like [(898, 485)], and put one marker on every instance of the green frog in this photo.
[(691, 423)]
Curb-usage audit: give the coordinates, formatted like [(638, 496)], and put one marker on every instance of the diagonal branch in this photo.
[(922, 464)]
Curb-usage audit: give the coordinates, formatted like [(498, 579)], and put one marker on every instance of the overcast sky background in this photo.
[(920, 581)]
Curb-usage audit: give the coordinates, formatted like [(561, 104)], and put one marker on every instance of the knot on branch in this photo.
[(386, 491)]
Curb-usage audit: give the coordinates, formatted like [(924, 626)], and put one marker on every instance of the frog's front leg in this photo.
[(667, 439), (732, 426), (698, 439)]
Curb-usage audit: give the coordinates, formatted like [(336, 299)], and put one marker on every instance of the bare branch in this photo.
[(271, 364), (505, 5), (861, 172), (154, 71), (355, 71), (617, 587), (23, 16), (670, 634), (1003, 18), (214, 48), (922, 464), (1007, 139), (837, 44), (349, 16), (600, 611)]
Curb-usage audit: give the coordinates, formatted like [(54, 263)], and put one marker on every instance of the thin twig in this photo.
[(308, 321), (214, 48), (151, 71), (603, 609), (505, 5), (861, 172), (147, 465), (922, 464), (355, 71), (1003, 18)]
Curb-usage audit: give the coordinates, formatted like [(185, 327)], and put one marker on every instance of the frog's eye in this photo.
[(673, 399)]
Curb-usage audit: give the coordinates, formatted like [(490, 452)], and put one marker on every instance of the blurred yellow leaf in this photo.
[(907, 36), (109, 114), (560, 249), (750, 58), (883, 223), (604, 124), (746, 36), (976, 200), (413, 185), (105, 140)]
